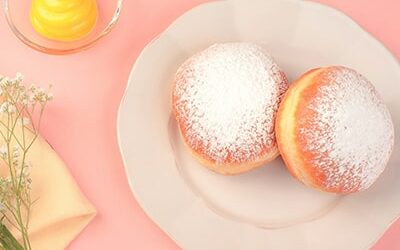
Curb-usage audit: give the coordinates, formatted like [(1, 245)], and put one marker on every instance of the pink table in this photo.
[(81, 122)]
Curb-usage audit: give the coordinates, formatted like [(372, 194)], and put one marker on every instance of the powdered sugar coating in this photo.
[(351, 135), (225, 100)]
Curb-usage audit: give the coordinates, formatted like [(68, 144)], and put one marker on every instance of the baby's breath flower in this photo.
[(19, 103), (40, 95), (4, 107), (4, 81), (31, 98), (24, 101), (19, 77), (7, 107), (3, 151), (5, 188), (49, 96), (15, 151)]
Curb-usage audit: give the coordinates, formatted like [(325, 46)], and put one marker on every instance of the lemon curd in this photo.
[(63, 20)]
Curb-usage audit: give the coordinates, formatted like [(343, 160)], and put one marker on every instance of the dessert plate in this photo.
[(265, 208)]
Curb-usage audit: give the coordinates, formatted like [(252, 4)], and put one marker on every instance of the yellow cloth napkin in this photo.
[(61, 211)]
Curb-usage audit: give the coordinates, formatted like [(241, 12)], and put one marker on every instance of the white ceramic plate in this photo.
[(265, 208)]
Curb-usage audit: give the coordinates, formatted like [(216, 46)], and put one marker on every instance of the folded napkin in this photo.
[(61, 211)]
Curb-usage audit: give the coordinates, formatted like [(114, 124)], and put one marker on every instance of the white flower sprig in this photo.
[(21, 112)]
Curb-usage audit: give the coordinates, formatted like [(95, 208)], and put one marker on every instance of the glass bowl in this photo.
[(17, 14)]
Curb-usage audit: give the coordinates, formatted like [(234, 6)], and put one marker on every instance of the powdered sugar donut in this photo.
[(225, 100), (333, 130)]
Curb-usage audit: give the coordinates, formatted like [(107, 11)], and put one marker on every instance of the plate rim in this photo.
[(338, 13)]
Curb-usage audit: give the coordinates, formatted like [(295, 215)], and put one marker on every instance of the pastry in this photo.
[(333, 130), (225, 99)]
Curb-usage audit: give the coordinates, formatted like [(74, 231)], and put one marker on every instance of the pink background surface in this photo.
[(81, 122)]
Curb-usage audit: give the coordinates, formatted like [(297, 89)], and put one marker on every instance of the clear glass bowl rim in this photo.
[(56, 51)]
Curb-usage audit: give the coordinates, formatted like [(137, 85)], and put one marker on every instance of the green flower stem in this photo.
[(7, 240)]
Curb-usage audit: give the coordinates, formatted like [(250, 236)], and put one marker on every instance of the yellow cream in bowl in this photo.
[(63, 20)]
